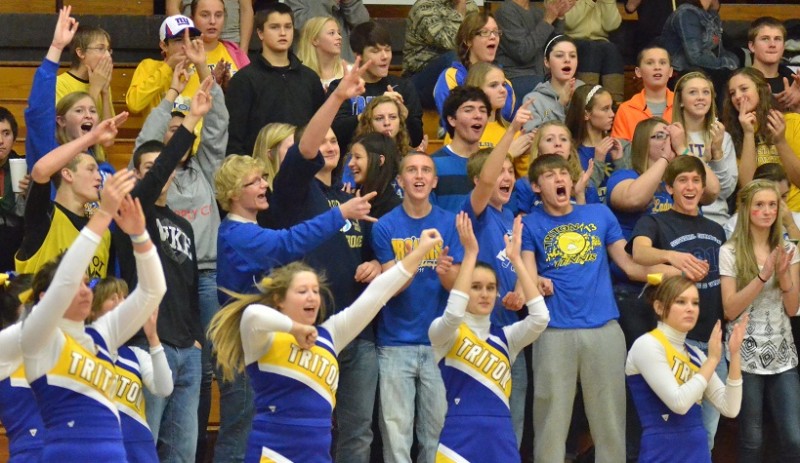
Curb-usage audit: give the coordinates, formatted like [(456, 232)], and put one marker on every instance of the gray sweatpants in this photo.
[(596, 358)]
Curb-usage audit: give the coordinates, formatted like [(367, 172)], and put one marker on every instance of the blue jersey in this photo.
[(129, 399), (571, 251), (20, 416), (453, 184), (75, 400), (407, 316), (295, 393), (490, 228), (668, 436), (477, 379)]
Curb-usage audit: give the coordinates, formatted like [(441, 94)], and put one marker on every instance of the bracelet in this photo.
[(665, 158), (100, 211), (759, 277), (140, 239), (176, 90)]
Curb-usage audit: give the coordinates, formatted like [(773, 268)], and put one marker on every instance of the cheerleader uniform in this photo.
[(295, 389), (667, 393), (18, 410), (73, 377), (475, 359), (135, 369)]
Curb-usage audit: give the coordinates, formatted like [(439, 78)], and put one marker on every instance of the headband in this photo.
[(546, 47), (592, 92)]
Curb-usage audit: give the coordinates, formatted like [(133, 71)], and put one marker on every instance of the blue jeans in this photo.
[(209, 305), (710, 413), (426, 78), (173, 419), (411, 388), (519, 387), (236, 409), (781, 393), (355, 401)]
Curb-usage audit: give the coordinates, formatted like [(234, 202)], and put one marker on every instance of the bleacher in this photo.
[(28, 24)]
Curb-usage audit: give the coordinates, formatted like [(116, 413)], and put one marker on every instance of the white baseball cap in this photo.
[(173, 26)]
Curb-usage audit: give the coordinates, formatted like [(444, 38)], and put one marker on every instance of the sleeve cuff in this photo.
[(94, 237)]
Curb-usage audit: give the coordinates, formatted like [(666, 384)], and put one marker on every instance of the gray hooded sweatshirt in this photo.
[(191, 193)]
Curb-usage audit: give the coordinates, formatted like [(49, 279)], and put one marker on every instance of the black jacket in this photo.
[(261, 93)]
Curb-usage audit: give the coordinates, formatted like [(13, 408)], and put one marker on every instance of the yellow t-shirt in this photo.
[(793, 138), (491, 136), (67, 83)]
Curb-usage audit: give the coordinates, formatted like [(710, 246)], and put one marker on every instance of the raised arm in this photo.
[(149, 189), (40, 115), (351, 85), (482, 193), (40, 328), (727, 397), (443, 329), (214, 137), (345, 325), (123, 322), (57, 159), (525, 331)]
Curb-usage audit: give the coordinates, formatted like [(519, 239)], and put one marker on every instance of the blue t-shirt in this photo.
[(406, 318), (571, 251), (490, 228), (453, 185)]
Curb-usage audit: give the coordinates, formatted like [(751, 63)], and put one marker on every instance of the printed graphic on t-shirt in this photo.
[(174, 242), (403, 246), (572, 243)]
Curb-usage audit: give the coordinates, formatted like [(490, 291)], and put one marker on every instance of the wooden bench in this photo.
[(96, 7)]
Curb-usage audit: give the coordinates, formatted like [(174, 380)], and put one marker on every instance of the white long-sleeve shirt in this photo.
[(41, 342), (648, 358), (443, 330), (260, 322)]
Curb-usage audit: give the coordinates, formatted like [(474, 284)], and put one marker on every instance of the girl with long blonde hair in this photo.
[(706, 138), (760, 279), (292, 363), (320, 48)]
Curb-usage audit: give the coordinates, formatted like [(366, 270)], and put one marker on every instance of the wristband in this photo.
[(762, 280), (140, 239), (686, 151), (176, 90)]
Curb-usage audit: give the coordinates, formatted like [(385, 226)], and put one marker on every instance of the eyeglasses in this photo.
[(102, 49), (257, 181), (659, 136), (487, 33)]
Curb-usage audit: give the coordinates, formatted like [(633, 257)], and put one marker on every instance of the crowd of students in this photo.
[(282, 228)]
